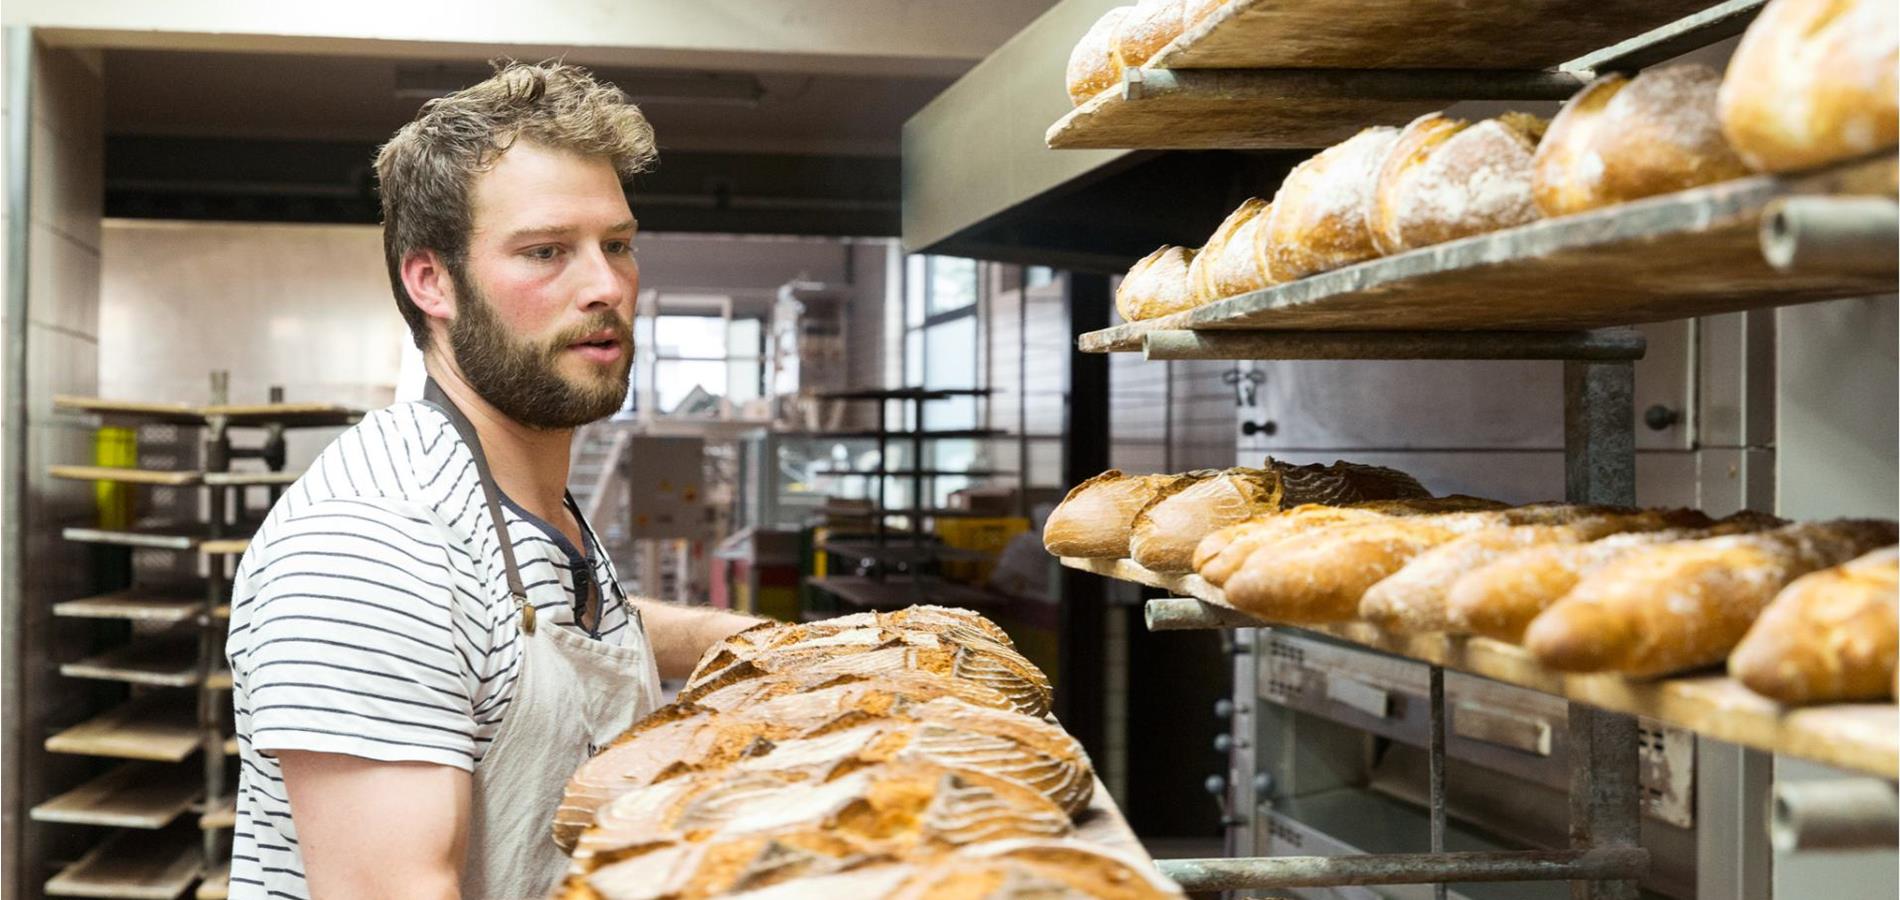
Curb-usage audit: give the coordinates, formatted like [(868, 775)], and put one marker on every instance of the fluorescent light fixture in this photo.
[(427, 82)]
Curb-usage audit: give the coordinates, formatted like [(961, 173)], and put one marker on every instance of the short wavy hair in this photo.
[(425, 171)]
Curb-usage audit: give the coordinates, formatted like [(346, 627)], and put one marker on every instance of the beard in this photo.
[(522, 379)]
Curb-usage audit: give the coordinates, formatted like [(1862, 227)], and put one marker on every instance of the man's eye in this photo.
[(619, 247), (545, 252)]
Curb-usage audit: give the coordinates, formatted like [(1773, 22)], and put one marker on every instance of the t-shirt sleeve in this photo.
[(351, 633)]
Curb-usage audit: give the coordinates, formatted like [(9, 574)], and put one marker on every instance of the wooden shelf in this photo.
[(219, 680), (169, 660), (217, 884), (1692, 253), (134, 795), (135, 604), (291, 415), (896, 592), (157, 536), (160, 726), (1861, 736), (223, 816), (133, 866), (1412, 34), (231, 746), (130, 411), (898, 548), (160, 477), (225, 546), (250, 479)]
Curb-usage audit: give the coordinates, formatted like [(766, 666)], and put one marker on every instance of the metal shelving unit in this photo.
[(183, 707)]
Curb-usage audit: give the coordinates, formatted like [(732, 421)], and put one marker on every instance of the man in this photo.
[(411, 690)]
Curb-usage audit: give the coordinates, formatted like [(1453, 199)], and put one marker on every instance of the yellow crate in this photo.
[(988, 535)]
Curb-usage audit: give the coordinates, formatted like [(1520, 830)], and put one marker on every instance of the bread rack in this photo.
[(152, 854)]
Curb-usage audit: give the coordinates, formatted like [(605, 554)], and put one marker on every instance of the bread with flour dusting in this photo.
[(1232, 261), (1445, 179), (1830, 636), (1813, 82), (1320, 214), (1157, 285), (1623, 139)]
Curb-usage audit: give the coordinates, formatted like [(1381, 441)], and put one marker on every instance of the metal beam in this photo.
[(1832, 234), (1604, 345), (1189, 614), (1266, 873), (1719, 22), (1836, 814)]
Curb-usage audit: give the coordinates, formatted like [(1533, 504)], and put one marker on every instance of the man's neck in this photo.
[(528, 464)]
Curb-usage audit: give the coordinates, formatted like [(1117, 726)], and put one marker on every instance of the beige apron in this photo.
[(573, 695)]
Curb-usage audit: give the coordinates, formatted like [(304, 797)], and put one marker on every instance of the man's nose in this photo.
[(603, 282)]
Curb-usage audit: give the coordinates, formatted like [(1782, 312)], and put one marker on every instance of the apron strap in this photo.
[(432, 395)]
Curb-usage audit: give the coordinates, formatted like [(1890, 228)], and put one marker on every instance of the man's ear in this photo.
[(427, 281)]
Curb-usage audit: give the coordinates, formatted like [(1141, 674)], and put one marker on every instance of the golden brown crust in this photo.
[(1092, 65), (1167, 529), (1230, 263), (1624, 139), (1157, 285), (1684, 605), (1321, 211), (1813, 82), (1097, 517), (1829, 636), (1149, 26), (1196, 11), (1445, 179), (1220, 555), (1001, 870)]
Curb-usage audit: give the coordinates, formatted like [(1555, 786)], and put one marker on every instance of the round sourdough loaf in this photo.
[(1623, 139), (1321, 212), (1157, 285), (1445, 179), (1813, 82), (1092, 65)]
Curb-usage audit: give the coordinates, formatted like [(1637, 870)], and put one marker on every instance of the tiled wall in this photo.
[(62, 337)]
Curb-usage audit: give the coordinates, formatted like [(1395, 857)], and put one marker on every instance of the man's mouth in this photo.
[(601, 346)]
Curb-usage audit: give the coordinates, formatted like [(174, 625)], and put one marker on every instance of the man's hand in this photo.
[(371, 830), (680, 635)]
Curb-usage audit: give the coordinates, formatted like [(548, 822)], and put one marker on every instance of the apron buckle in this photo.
[(527, 618)]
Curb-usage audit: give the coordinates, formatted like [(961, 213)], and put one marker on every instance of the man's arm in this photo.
[(371, 830), (680, 635)]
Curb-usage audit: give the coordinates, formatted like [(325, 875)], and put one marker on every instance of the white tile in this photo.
[(63, 282), (58, 362), (68, 182)]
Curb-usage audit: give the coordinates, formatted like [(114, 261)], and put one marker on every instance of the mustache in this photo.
[(601, 321)]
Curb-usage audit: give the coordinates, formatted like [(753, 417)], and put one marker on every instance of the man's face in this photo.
[(545, 299)]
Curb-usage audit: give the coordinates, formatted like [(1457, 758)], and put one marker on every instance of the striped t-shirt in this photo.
[(371, 617)]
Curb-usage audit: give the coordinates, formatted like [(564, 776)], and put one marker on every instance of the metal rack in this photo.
[(162, 726)]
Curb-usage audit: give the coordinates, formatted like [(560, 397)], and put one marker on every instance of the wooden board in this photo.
[(161, 726), (134, 795), (219, 680), (130, 411), (1412, 34), (250, 479), (1860, 736), (306, 415), (225, 546), (1306, 120), (125, 476), (231, 746), (169, 660), (133, 865), (1101, 823), (1688, 254), (217, 884), (157, 536), (135, 604), (223, 816)]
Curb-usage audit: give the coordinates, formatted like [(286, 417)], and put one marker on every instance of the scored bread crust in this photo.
[(1165, 532), (1231, 262), (1445, 179), (1829, 636), (1092, 64), (1157, 285), (1813, 82), (1095, 520), (1622, 139), (1149, 26), (1321, 211)]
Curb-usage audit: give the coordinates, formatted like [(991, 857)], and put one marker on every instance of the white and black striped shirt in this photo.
[(371, 617)]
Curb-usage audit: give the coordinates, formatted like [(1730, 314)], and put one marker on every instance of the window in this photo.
[(940, 351)]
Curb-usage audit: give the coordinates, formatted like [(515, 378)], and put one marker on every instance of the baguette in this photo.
[(1092, 64), (1445, 179), (1414, 598), (1095, 519), (1685, 605), (1149, 26), (1194, 12), (1623, 139), (1830, 636), (1812, 82), (1157, 285), (1231, 263), (1219, 555), (1321, 212)]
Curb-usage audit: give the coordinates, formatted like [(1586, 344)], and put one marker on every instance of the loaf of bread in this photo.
[(1157, 286), (1445, 179), (1413, 599), (1095, 519), (1167, 531), (1196, 11), (1093, 67), (1016, 869), (1499, 599), (886, 811), (1321, 212), (1623, 139), (1222, 552), (870, 652), (877, 696), (1812, 82), (1830, 636), (1149, 26), (1232, 262), (1684, 605)]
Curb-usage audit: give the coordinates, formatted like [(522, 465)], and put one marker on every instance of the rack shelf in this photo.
[(290, 415), (156, 536), (161, 726), (905, 394), (225, 546), (136, 604), (134, 795), (899, 591), (1693, 253), (133, 866), (1864, 737), (898, 550), (217, 884), (224, 816), (159, 477), (250, 479), (165, 661)]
